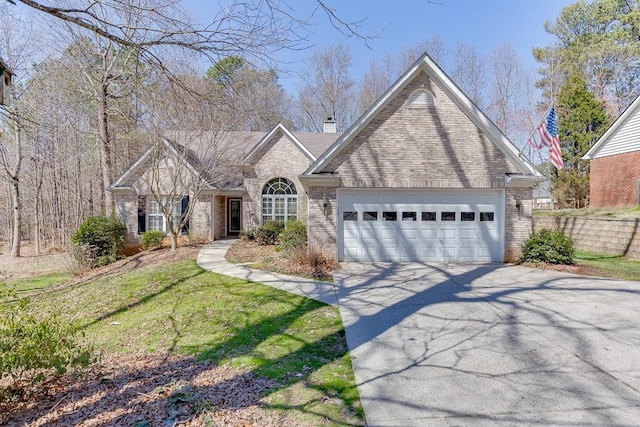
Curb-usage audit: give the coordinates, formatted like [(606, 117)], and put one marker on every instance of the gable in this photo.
[(266, 143), (281, 157), (623, 136), (432, 144), (424, 110)]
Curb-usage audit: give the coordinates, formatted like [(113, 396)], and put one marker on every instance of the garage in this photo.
[(433, 226)]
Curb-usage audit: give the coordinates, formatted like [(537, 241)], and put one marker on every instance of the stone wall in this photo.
[(606, 236)]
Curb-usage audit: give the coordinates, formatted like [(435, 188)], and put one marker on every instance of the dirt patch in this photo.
[(574, 269), (148, 390), (312, 265)]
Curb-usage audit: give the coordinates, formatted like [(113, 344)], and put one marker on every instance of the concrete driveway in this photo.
[(491, 344)]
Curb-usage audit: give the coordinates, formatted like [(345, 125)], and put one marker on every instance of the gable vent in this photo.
[(421, 98)]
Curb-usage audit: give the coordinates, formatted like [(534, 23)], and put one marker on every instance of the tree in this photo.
[(252, 98), (469, 72), (582, 120), (327, 90), (599, 39)]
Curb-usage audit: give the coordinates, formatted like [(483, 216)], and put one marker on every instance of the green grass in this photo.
[(615, 266), (31, 285), (182, 309)]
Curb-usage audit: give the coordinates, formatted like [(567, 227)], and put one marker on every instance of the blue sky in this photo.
[(484, 24)]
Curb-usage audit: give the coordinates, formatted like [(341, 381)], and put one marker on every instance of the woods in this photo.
[(111, 79)]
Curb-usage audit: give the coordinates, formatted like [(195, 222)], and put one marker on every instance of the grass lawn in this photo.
[(614, 266), (31, 285), (178, 308)]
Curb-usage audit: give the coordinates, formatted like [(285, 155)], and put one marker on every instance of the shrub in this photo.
[(268, 233), (550, 246), (247, 235), (100, 238), (35, 346), (152, 239), (294, 237)]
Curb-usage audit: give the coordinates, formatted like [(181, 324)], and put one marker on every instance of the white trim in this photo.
[(620, 121), (439, 77), (277, 128)]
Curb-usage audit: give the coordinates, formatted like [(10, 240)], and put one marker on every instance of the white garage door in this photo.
[(460, 226)]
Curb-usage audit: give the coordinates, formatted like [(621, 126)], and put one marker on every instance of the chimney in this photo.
[(329, 125)]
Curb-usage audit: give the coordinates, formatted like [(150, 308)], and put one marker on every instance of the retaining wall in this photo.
[(605, 236)]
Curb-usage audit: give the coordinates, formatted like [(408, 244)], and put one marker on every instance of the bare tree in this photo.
[(469, 72), (327, 90)]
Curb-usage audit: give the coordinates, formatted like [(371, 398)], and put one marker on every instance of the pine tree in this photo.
[(582, 120)]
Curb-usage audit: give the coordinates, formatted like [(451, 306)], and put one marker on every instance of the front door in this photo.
[(234, 216)]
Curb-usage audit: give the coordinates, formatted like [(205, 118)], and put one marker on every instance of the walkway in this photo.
[(480, 344)]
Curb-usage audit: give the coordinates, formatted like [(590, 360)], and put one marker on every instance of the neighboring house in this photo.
[(423, 175), (615, 162), (6, 76)]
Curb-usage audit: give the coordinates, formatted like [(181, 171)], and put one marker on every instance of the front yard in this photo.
[(181, 345)]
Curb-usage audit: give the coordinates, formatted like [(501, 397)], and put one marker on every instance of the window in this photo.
[(421, 98), (409, 216), (350, 216), (447, 216), (389, 216), (279, 201), (370, 216), (150, 216), (428, 216), (467, 216), (486, 216)]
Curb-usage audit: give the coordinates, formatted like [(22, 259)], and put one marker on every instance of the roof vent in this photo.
[(421, 98), (329, 125)]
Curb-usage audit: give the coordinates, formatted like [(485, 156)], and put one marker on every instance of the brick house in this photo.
[(423, 175), (615, 162)]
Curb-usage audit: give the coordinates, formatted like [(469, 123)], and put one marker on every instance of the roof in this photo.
[(625, 143), (5, 67), (310, 143), (440, 78), (204, 153)]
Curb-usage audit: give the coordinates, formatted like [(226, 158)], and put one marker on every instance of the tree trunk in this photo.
[(103, 114), (17, 217)]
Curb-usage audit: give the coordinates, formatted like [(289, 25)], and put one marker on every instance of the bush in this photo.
[(34, 346), (247, 235), (294, 237), (100, 238), (152, 239), (550, 246), (268, 233)]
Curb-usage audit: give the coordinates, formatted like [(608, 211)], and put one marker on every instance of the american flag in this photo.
[(548, 132)]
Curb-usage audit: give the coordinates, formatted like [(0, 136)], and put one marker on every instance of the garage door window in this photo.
[(409, 216), (350, 216), (279, 201), (467, 216), (486, 216), (370, 216), (447, 216), (428, 216), (389, 216)]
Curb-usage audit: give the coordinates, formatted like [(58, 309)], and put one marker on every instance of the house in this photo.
[(423, 175), (615, 162), (6, 76), (542, 196)]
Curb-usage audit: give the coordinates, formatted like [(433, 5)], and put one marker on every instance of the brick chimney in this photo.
[(329, 125)]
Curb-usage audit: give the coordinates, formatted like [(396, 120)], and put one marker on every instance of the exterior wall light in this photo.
[(518, 201), (325, 202)]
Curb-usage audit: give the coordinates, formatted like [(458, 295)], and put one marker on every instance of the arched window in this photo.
[(279, 201), (421, 98)]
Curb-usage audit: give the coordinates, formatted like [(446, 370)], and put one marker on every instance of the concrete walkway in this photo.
[(480, 344)]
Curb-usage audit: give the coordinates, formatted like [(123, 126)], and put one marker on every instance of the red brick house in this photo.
[(615, 162), (422, 175)]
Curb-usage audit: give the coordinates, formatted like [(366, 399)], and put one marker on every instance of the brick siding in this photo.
[(614, 180)]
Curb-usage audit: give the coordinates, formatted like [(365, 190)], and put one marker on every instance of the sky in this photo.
[(483, 24)]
